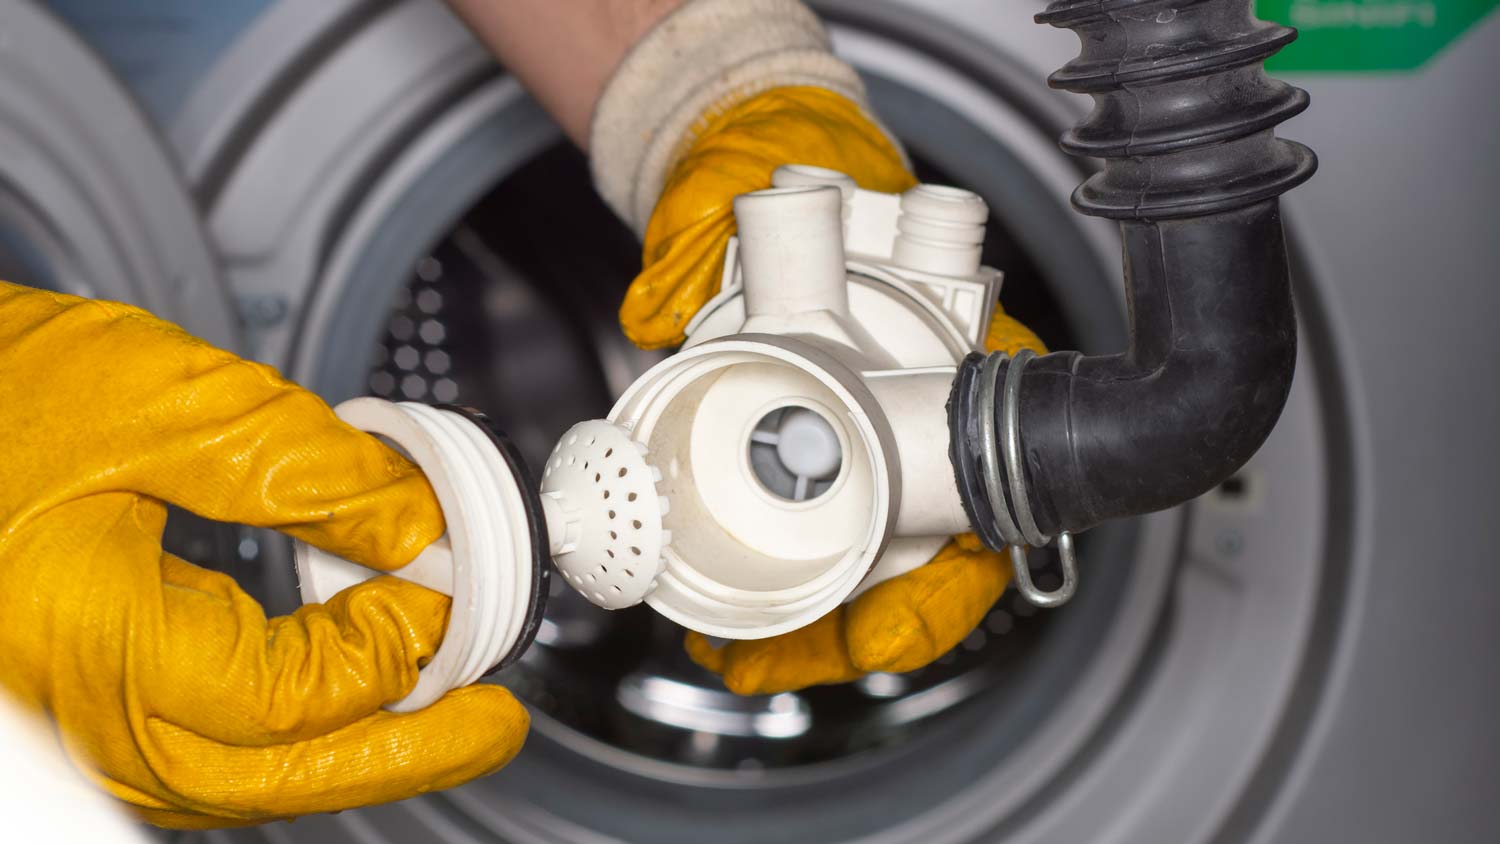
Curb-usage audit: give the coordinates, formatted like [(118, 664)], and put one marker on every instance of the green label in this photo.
[(1356, 35)]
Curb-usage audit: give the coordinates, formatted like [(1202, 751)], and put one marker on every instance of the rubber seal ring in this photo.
[(536, 520), (963, 434)]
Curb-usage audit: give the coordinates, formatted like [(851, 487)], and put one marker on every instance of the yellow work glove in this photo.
[(910, 620), (734, 151), (169, 685)]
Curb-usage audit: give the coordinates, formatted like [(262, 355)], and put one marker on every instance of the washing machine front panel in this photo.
[(1400, 229), (1239, 663)]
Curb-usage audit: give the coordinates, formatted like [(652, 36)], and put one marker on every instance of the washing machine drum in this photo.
[(90, 200)]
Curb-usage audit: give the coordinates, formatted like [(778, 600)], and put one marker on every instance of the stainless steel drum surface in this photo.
[(1269, 663)]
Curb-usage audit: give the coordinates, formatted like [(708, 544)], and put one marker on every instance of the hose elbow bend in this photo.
[(1212, 354), (1184, 120), (1202, 386)]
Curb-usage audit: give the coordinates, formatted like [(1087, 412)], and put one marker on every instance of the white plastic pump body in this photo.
[(793, 454), (828, 356)]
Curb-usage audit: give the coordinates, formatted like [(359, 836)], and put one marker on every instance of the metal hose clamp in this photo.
[(1013, 514)]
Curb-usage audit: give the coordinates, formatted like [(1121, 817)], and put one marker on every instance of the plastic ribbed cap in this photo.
[(492, 559)]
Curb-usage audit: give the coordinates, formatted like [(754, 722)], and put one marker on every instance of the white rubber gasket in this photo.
[(489, 543)]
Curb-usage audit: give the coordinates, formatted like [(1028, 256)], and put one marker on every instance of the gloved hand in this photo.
[(904, 623), (167, 682), (735, 152)]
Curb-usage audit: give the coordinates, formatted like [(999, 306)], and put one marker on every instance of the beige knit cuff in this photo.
[(707, 54)]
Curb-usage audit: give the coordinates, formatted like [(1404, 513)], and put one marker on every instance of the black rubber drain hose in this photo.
[(1184, 119)]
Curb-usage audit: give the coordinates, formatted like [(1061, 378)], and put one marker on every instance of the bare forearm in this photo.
[(563, 51)]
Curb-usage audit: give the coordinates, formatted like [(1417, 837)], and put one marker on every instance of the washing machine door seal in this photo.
[(90, 202)]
